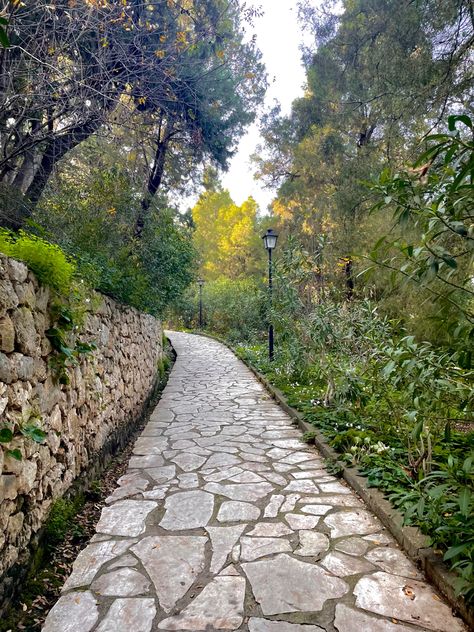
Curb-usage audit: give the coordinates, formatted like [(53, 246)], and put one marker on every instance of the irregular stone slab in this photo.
[(393, 561), (217, 477), (270, 530), (223, 540), (157, 493), (298, 521), (125, 560), (130, 485), (90, 560), (145, 446), (126, 518), (358, 522), (263, 625), (305, 486), (349, 619), (188, 480), (316, 510), (162, 474), (275, 478), (293, 444), (125, 582), (309, 474), (271, 510), (125, 615), (284, 584), (334, 488), (231, 571), (295, 458), (343, 565), (353, 546), (182, 444), (290, 502), (233, 511), (278, 453), (219, 607), (188, 461), (336, 500), (281, 467), (187, 510), (253, 458), (173, 563), (312, 543), (75, 612), (236, 553), (218, 460), (405, 599), (380, 538), (247, 477), (253, 548), (238, 491), (145, 462)]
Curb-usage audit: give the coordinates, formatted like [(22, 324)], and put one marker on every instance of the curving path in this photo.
[(226, 521)]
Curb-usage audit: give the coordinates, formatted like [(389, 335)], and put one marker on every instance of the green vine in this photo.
[(29, 428), (67, 350)]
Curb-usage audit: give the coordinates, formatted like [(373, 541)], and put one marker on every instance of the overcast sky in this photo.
[(279, 38)]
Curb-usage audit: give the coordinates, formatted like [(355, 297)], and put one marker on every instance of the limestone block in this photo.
[(19, 396), (15, 524), (8, 488), (40, 370), (8, 297), (42, 299), (7, 373), (23, 366), (16, 270), (55, 419), (53, 442), (42, 322), (48, 395), (7, 335), (28, 340), (46, 347), (26, 294)]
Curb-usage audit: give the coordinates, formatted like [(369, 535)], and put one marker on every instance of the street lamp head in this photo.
[(200, 282), (270, 239)]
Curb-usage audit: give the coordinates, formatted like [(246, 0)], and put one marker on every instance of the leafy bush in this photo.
[(432, 205), (50, 264), (92, 215)]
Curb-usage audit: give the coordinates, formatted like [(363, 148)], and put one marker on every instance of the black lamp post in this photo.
[(270, 241), (200, 283)]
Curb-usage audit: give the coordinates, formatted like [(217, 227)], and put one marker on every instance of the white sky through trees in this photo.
[(279, 37)]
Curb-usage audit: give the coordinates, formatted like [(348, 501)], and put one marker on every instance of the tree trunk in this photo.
[(154, 180), (349, 273), (56, 149)]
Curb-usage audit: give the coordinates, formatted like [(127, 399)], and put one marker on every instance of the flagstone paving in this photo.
[(227, 521)]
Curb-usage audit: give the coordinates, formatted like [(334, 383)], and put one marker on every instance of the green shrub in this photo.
[(61, 519), (50, 264)]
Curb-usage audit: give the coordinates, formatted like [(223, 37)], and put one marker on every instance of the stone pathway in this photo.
[(227, 521)]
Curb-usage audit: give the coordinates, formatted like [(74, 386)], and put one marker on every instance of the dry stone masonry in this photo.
[(105, 397), (227, 521)]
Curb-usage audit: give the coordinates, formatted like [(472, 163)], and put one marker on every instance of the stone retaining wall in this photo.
[(105, 397)]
